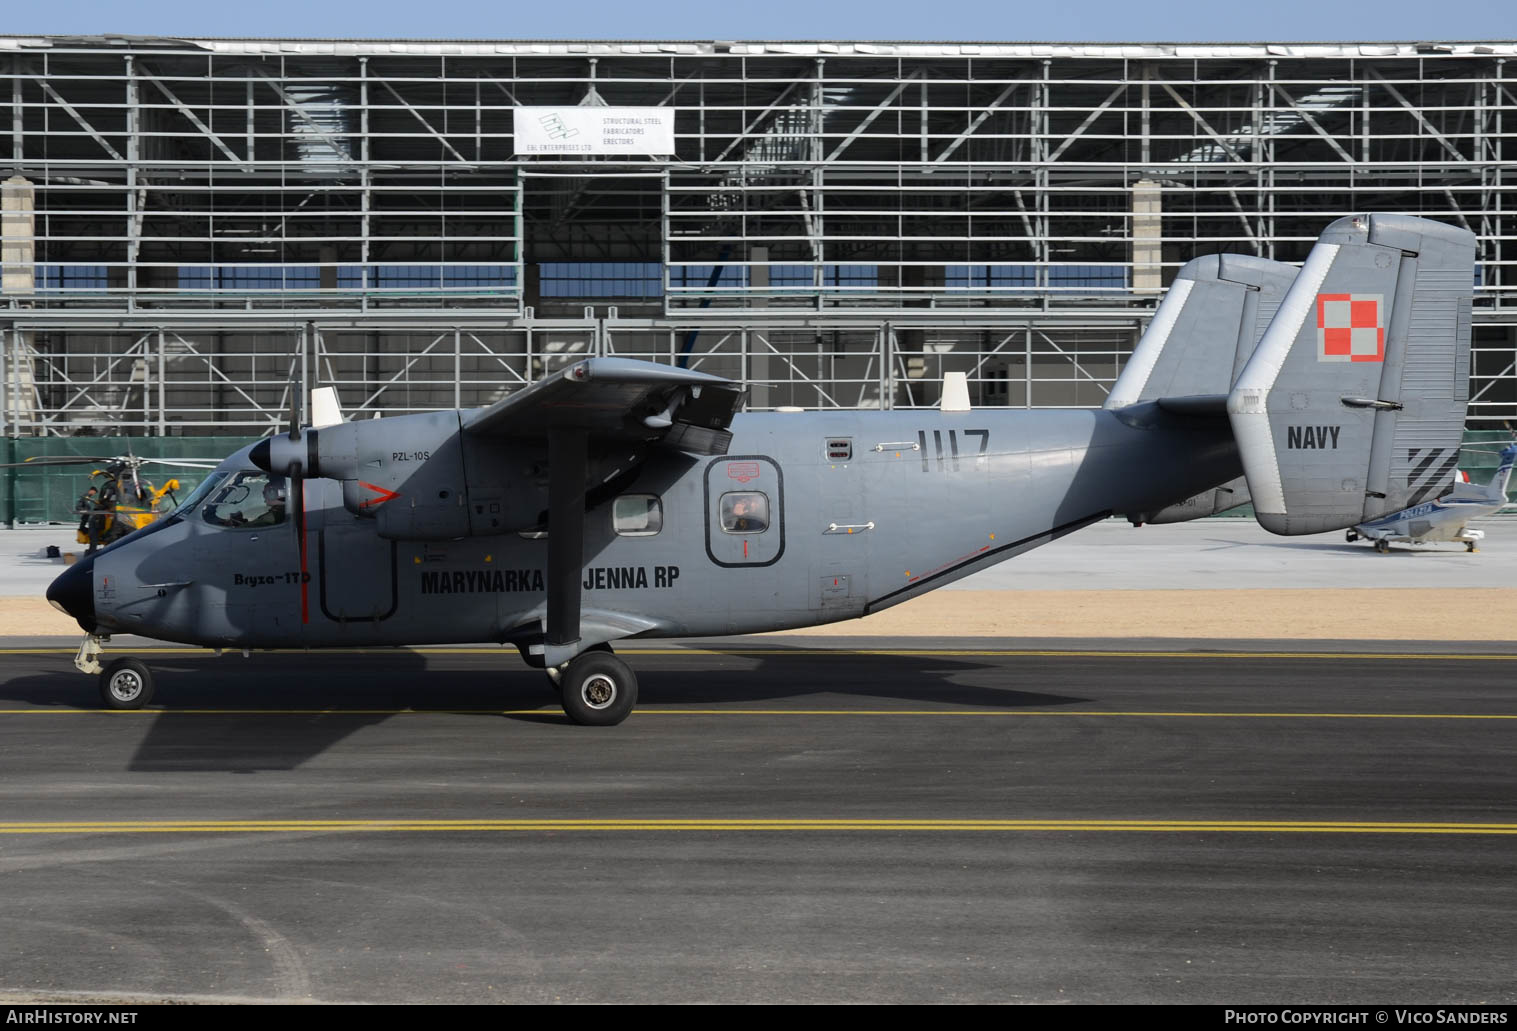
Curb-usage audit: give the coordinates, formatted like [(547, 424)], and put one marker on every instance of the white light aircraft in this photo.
[(1445, 518)]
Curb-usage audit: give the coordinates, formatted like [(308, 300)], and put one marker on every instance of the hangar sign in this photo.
[(594, 130)]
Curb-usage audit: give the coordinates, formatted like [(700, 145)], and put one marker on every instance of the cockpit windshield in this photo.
[(247, 500), (192, 500)]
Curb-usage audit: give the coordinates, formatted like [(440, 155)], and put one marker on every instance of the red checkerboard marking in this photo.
[(1349, 328)]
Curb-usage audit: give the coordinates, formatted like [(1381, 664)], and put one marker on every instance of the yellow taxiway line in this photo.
[(650, 711), (940, 826)]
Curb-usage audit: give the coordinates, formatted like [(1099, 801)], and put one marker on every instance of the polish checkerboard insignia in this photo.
[(1350, 328)]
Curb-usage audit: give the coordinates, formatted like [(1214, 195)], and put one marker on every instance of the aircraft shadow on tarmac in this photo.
[(280, 711)]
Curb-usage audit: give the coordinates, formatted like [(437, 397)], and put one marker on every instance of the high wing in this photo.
[(619, 399), (446, 475), (580, 410)]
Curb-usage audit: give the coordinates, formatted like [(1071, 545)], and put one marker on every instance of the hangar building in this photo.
[(192, 226)]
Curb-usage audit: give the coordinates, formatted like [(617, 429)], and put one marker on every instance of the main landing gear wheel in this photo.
[(1350, 536), (1383, 546), (1469, 545), (126, 684), (597, 689)]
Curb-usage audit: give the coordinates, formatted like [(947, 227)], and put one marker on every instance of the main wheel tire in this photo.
[(598, 689), (556, 673), (1350, 536), (1469, 545), (126, 684)]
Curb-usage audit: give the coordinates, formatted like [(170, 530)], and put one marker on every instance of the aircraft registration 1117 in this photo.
[(618, 499)]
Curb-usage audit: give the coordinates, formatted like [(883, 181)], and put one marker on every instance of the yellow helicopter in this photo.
[(119, 498)]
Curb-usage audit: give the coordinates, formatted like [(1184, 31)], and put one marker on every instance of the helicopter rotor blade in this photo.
[(43, 461), (130, 461), (188, 463)]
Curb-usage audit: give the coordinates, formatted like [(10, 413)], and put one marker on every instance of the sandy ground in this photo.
[(1371, 614)]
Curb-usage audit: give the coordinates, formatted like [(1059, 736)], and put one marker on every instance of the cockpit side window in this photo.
[(247, 500)]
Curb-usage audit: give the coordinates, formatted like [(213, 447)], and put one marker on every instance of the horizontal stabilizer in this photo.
[(1353, 404)]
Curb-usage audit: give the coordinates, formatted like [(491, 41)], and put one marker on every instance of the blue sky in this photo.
[(1092, 20)]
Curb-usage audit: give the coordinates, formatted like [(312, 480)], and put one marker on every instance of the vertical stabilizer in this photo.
[(1204, 330), (1198, 341), (1353, 404), (1503, 477)]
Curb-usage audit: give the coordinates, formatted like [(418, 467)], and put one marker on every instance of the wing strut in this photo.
[(568, 449)]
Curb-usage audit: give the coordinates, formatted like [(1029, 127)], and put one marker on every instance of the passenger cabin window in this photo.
[(745, 511), (247, 500), (637, 515)]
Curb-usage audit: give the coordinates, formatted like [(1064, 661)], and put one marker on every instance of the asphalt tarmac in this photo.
[(786, 823)]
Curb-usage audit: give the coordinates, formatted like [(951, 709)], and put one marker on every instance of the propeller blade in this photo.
[(294, 404)]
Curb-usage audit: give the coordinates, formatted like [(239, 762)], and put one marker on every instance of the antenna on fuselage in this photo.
[(955, 393), (326, 409)]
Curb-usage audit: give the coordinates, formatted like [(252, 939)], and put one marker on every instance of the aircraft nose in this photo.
[(74, 592)]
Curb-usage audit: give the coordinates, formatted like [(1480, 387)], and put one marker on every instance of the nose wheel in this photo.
[(126, 684), (597, 689)]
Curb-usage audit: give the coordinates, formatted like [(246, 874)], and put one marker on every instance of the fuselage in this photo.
[(856, 511)]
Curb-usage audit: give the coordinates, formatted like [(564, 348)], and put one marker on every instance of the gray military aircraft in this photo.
[(616, 499), (1446, 517)]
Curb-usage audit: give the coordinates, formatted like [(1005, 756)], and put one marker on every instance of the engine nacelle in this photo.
[(406, 473), (420, 478)]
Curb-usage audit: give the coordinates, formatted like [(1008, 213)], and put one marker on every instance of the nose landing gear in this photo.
[(125, 684)]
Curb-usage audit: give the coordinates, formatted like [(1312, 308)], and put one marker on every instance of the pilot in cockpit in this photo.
[(276, 498), (249, 515)]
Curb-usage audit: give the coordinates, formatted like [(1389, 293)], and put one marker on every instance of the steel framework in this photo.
[(192, 226)]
